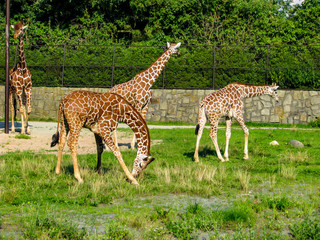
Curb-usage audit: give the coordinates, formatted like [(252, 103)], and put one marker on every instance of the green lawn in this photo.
[(273, 195)]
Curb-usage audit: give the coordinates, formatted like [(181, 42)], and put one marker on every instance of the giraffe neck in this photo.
[(254, 90), (138, 125), (156, 68), (22, 59)]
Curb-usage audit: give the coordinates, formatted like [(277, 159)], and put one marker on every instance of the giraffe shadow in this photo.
[(68, 170), (17, 126), (128, 145), (206, 151)]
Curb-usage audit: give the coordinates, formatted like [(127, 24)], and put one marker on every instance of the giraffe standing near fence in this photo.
[(137, 91), (228, 101), (100, 112), (20, 83)]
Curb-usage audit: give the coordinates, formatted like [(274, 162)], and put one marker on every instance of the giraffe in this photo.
[(137, 91), (20, 83), (100, 112), (228, 101)]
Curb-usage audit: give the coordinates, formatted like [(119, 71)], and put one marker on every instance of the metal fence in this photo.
[(198, 67)]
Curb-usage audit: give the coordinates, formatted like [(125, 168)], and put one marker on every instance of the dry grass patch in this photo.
[(244, 178), (287, 172)]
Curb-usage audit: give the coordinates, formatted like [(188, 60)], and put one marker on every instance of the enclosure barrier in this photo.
[(198, 67), (296, 106)]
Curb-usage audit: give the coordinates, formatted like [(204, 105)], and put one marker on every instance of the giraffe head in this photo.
[(174, 47), (18, 29), (272, 91), (141, 162)]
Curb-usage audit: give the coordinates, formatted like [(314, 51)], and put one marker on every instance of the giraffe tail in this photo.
[(55, 137), (201, 116)]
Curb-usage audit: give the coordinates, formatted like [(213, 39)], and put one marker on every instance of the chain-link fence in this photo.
[(198, 67)]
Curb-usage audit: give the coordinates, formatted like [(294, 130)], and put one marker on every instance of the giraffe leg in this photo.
[(200, 128), (115, 139), (213, 135), (100, 145), (62, 141), (22, 112), (28, 103), (108, 140), (239, 118), (11, 97), (73, 145), (228, 135)]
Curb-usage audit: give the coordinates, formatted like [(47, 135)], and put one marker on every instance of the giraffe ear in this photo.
[(24, 27), (168, 44), (178, 45), (12, 26)]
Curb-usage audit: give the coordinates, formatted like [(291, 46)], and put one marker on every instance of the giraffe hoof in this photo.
[(134, 182), (80, 181), (246, 158)]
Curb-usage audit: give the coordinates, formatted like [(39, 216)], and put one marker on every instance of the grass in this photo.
[(22, 136), (273, 195)]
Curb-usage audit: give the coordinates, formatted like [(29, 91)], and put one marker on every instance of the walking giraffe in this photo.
[(100, 112), (20, 83), (228, 101), (137, 91)]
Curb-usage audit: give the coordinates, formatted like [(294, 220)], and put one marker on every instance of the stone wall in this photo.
[(296, 106)]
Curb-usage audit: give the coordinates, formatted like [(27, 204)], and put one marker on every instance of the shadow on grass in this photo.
[(204, 152), (68, 170)]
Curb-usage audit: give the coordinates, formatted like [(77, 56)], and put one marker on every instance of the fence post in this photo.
[(214, 66), (267, 67), (63, 63), (112, 72)]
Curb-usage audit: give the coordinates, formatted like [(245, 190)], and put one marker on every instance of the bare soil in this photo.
[(41, 137)]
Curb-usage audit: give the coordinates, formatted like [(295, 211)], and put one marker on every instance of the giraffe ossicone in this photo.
[(20, 83), (137, 91), (100, 112), (228, 102)]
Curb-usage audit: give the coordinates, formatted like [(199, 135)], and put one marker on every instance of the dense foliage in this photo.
[(211, 25)]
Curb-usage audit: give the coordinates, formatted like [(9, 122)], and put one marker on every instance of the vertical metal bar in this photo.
[(6, 124), (113, 57), (63, 64), (214, 66), (267, 67)]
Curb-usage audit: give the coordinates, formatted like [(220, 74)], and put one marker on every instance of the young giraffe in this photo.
[(137, 91), (100, 112), (20, 83), (228, 101)]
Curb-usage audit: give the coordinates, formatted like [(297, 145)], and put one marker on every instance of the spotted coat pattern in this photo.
[(20, 83), (228, 102), (137, 91), (101, 112)]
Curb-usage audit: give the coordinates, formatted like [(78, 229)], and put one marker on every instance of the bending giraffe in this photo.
[(100, 112), (228, 101), (20, 83), (137, 91)]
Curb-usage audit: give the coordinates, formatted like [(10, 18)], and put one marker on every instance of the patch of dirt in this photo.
[(41, 137)]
